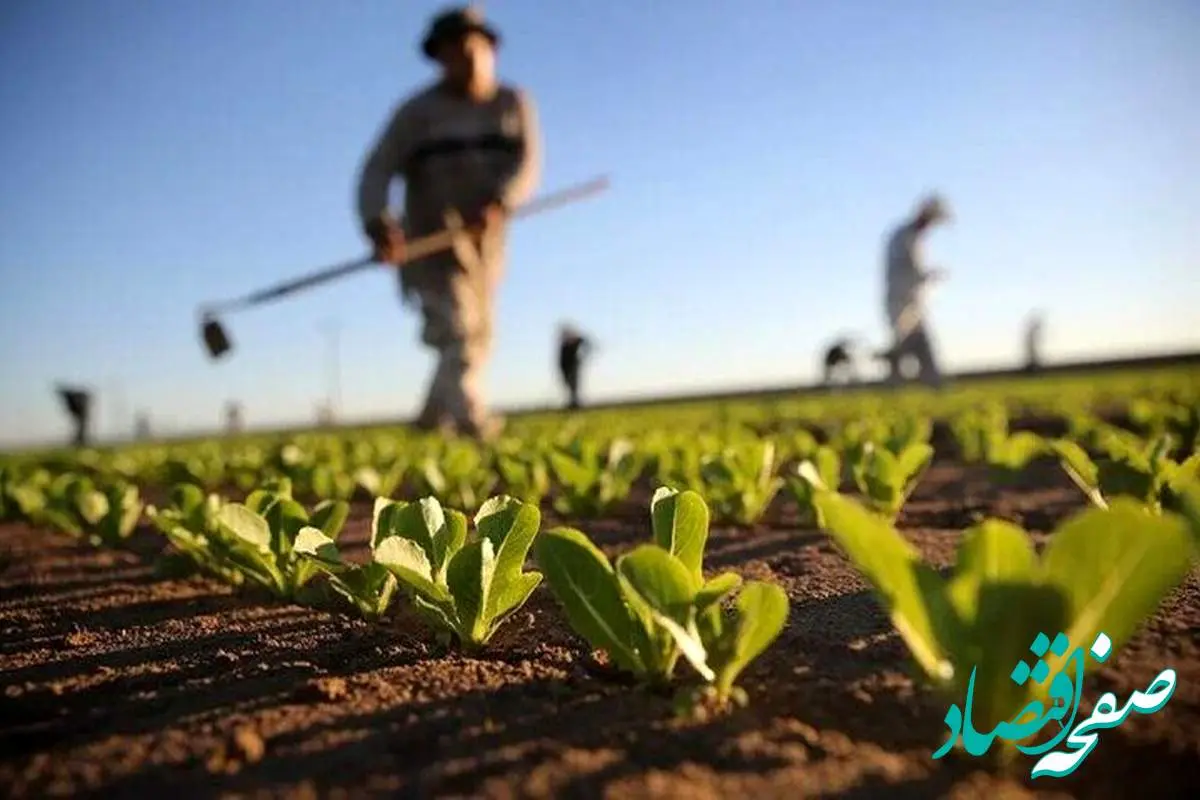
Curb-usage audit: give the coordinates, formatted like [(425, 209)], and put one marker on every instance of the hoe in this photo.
[(216, 339)]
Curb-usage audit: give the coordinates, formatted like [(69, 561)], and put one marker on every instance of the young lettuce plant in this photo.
[(525, 475), (203, 465), (190, 525), (907, 430), (1103, 571), (828, 465), (315, 468), (369, 587), (887, 479), (259, 537), (332, 482), (654, 605), (1145, 473), (976, 429), (103, 516), (796, 444), (459, 477), (590, 480), (1007, 457), (1154, 416), (740, 482), (23, 493), (682, 463), (381, 481), (462, 588)]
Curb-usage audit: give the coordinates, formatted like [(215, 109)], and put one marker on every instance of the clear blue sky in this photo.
[(155, 155)]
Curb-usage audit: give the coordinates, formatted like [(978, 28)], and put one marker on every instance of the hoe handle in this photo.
[(414, 250), (419, 248)]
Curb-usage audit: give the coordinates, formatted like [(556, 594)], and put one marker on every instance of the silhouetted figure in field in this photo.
[(572, 348), (233, 417), (78, 403), (908, 279), (838, 364), (325, 414), (1033, 342)]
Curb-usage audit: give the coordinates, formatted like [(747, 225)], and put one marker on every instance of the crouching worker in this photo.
[(467, 147)]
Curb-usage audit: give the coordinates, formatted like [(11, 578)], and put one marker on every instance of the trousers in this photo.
[(914, 344), (457, 325)]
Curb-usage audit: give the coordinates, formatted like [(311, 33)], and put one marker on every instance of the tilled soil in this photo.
[(120, 681)]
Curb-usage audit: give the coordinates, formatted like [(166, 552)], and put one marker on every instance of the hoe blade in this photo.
[(215, 338)]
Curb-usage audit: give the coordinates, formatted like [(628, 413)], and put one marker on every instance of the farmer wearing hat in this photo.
[(468, 149), (907, 280)]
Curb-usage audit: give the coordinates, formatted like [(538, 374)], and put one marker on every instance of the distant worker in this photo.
[(838, 363), (572, 348), (468, 148), (907, 280), (78, 404), (233, 417), (1033, 342), (141, 427), (324, 414)]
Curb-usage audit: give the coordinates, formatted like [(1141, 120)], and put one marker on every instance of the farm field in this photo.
[(297, 636)]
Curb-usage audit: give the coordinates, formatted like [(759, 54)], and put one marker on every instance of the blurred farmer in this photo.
[(468, 148), (78, 403), (838, 362), (572, 347), (907, 280), (1033, 342)]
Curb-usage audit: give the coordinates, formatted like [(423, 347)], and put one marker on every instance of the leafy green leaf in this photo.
[(910, 591), (679, 521), (760, 614), (586, 586), (1115, 566), (330, 516), (313, 542), (407, 560), (246, 525)]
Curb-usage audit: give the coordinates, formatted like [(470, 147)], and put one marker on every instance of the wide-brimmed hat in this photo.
[(454, 23)]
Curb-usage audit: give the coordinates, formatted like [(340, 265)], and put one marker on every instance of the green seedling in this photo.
[(740, 482), (103, 516), (369, 587), (381, 482), (654, 605), (887, 479), (977, 429), (796, 444), (1007, 457), (459, 477), (828, 465), (463, 587), (1104, 570), (525, 475), (1143, 472), (203, 465), (256, 538), (591, 479), (190, 525), (23, 493)]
